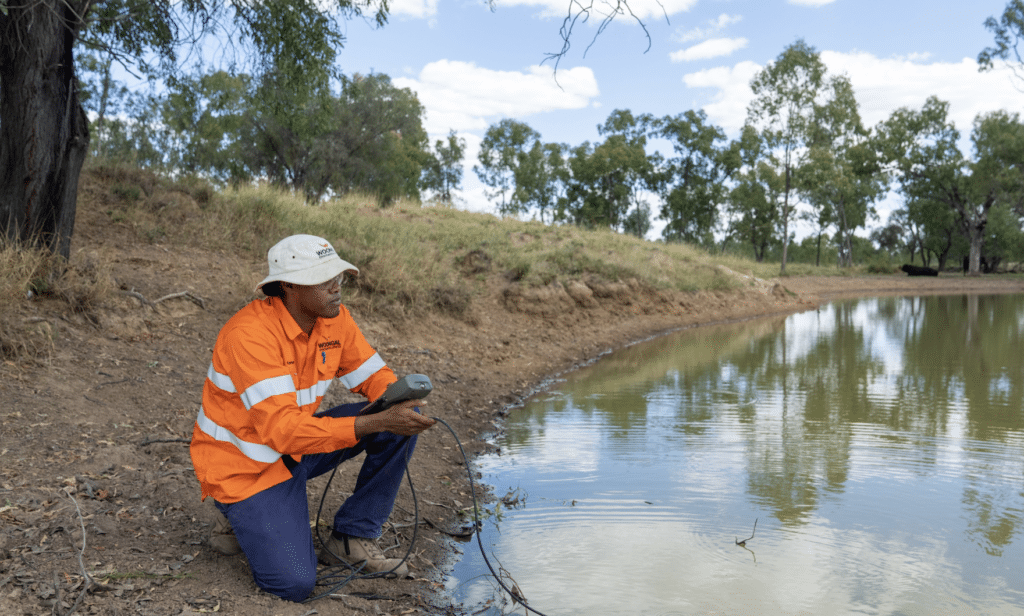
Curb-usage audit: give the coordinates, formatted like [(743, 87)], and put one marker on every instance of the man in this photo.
[(258, 437)]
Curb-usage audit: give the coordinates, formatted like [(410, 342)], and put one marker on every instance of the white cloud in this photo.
[(713, 48), (884, 84), (463, 96), (716, 25), (728, 107), (420, 9), (643, 9), (814, 3)]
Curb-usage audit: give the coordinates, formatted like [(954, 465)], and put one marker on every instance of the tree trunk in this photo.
[(104, 97), (972, 224), (785, 224), (943, 255), (977, 239), (44, 133)]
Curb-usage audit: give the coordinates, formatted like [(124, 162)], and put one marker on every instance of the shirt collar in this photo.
[(291, 328)]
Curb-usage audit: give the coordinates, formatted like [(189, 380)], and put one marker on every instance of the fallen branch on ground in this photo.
[(195, 299), (81, 561)]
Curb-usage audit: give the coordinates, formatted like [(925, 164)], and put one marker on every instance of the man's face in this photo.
[(321, 300)]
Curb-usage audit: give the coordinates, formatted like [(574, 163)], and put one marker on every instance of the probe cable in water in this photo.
[(412, 387), (516, 596)]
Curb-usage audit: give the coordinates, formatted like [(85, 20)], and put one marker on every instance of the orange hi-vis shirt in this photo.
[(262, 390)]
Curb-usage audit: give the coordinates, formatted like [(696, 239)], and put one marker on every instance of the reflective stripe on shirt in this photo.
[(253, 451), (369, 368), (264, 389), (274, 386), (222, 381), (311, 394)]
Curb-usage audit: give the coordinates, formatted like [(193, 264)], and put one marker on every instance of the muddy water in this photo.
[(878, 444)]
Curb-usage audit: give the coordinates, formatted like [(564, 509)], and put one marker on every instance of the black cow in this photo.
[(917, 270)]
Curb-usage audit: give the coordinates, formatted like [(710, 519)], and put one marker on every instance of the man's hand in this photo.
[(400, 419)]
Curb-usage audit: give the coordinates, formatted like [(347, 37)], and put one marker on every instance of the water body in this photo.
[(879, 444)]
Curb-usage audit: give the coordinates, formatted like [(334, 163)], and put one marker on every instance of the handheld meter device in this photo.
[(409, 387)]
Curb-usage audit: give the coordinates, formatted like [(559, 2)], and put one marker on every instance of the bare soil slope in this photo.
[(94, 436)]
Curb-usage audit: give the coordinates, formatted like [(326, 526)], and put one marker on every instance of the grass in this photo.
[(416, 256), (32, 273), (412, 258)]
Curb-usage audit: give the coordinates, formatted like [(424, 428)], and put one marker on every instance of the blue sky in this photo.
[(472, 66)]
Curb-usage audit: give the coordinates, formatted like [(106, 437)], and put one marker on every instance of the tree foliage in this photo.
[(1008, 31), (443, 172), (692, 185), (922, 151), (607, 179), (44, 133), (753, 204), (842, 176), (508, 165)]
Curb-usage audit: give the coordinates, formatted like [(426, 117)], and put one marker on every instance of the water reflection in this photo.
[(880, 442)]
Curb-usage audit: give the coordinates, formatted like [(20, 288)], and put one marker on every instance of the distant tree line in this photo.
[(803, 153)]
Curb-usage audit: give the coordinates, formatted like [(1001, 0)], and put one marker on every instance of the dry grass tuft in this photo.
[(27, 273)]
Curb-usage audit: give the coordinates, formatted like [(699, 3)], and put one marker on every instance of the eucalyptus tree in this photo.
[(921, 147), (546, 178), (1005, 240), (692, 185), (889, 238), (608, 179), (232, 127), (752, 204), (443, 172), (505, 164), (372, 140), (935, 227), (787, 93), (44, 133), (842, 176)]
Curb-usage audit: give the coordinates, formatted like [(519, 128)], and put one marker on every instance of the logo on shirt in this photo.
[(330, 344)]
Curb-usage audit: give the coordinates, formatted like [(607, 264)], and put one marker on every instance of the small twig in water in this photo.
[(744, 542)]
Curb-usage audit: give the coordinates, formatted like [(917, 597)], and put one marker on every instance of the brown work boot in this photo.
[(222, 539), (354, 551)]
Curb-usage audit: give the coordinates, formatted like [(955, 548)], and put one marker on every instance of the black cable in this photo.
[(479, 525), (331, 573), (355, 575)]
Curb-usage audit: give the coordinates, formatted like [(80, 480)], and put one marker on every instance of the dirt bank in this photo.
[(94, 434)]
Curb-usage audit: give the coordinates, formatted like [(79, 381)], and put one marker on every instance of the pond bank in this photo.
[(94, 434)]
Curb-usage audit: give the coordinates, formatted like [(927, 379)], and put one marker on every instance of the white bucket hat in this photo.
[(305, 260)]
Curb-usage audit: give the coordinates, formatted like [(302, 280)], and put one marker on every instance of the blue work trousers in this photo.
[(272, 526)]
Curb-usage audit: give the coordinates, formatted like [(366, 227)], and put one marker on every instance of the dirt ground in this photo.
[(99, 506)]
